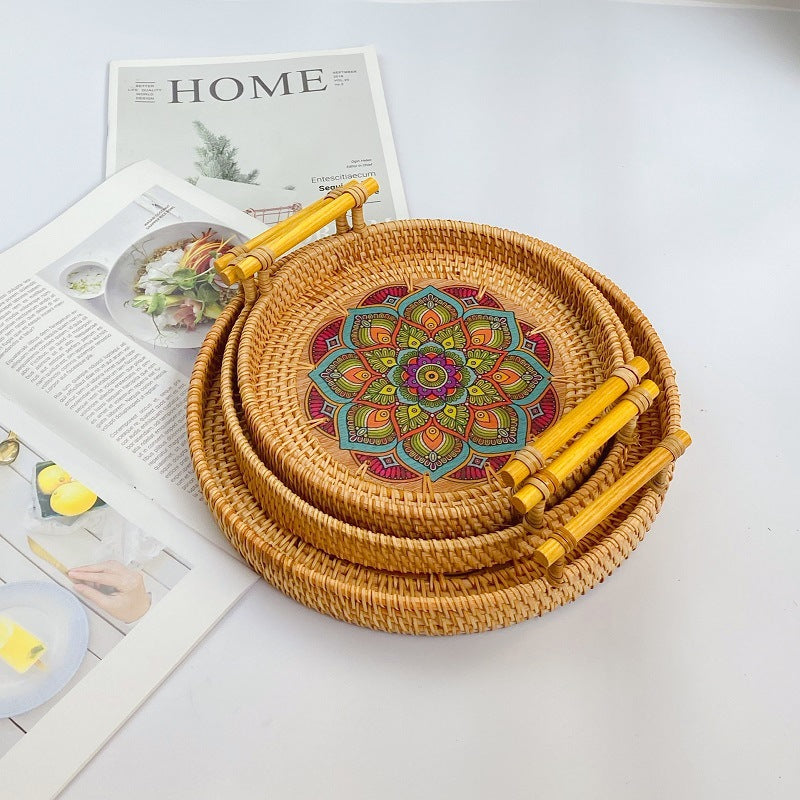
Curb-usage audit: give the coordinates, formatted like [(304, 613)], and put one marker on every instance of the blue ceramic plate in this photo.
[(59, 619)]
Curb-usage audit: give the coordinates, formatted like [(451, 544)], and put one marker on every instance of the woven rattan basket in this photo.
[(358, 419)]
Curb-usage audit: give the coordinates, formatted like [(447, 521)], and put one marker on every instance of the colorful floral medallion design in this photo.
[(442, 381)]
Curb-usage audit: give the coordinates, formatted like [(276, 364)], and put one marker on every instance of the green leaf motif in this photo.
[(483, 394), (381, 359), (454, 418), (409, 336), (482, 361), (381, 392), (409, 418), (451, 337)]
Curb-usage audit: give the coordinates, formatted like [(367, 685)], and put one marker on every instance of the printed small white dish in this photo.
[(85, 280)]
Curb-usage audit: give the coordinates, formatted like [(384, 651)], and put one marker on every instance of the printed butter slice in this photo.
[(19, 648)]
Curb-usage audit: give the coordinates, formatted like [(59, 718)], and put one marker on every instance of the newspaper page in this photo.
[(267, 134), (107, 308), (105, 585)]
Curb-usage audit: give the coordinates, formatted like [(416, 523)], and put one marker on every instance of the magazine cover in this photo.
[(267, 134)]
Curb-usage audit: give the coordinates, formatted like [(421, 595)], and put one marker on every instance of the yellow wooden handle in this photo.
[(546, 481), (224, 263), (532, 457), (302, 226), (564, 539)]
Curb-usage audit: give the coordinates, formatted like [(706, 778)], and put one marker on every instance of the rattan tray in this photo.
[(344, 522)]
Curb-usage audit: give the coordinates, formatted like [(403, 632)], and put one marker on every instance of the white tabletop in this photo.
[(660, 145)]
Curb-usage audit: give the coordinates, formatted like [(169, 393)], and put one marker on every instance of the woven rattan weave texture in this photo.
[(273, 362), (412, 557)]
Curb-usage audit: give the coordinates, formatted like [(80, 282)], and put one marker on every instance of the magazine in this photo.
[(104, 583), (267, 134), (109, 305)]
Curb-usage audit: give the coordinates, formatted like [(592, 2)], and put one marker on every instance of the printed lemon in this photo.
[(50, 478), (71, 499)]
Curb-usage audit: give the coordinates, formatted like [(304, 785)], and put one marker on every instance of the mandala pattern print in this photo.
[(438, 381)]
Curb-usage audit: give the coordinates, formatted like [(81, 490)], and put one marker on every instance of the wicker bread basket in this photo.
[(358, 419)]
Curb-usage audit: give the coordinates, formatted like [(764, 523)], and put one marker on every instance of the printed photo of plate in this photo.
[(84, 280), (160, 294), (44, 633)]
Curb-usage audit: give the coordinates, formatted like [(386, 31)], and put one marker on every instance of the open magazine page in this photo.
[(267, 134), (104, 311), (102, 594)]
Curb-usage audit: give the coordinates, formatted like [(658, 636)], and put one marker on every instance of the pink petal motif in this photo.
[(431, 381)]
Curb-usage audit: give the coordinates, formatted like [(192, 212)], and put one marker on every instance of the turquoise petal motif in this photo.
[(429, 382)]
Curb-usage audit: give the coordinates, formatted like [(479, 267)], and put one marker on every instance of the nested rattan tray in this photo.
[(356, 531), (408, 275)]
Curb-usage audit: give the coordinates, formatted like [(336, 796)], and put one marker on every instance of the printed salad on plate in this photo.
[(164, 290), (178, 286)]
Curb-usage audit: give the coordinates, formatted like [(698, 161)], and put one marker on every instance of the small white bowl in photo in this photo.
[(85, 280)]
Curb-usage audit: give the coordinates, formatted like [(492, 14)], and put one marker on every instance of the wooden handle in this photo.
[(533, 457), (539, 487), (564, 539), (224, 263), (293, 231)]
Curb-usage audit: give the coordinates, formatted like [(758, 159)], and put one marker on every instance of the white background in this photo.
[(660, 145)]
